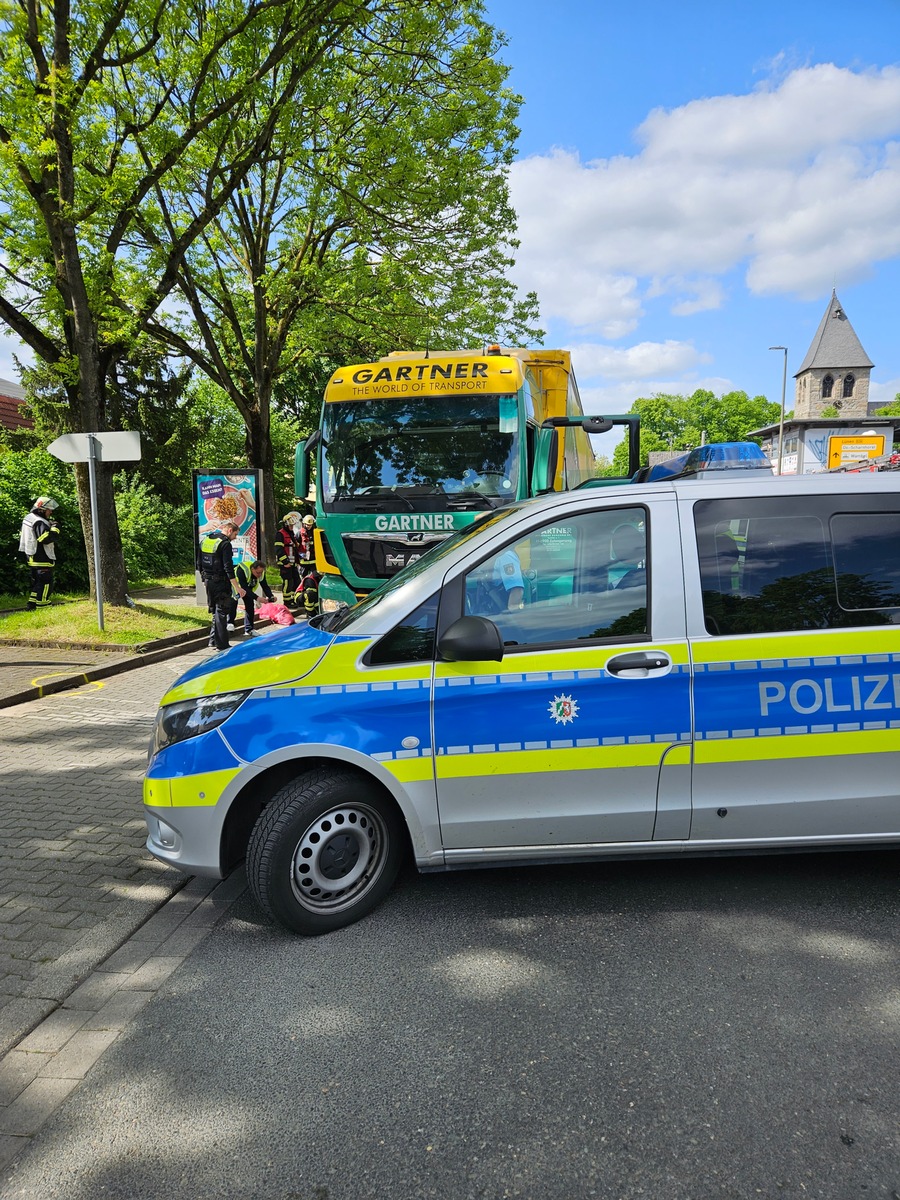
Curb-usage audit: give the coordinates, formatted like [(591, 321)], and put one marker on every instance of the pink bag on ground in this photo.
[(279, 613)]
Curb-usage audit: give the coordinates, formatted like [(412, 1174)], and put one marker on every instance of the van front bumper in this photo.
[(186, 838)]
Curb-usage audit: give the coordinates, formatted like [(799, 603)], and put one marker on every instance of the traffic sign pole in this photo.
[(120, 446), (92, 482)]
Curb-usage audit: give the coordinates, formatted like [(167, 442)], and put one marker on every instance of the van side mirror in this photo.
[(471, 639)]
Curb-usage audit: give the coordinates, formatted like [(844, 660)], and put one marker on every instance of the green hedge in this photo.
[(157, 537)]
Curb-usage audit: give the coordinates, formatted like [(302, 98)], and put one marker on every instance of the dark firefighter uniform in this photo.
[(217, 573), (244, 574), (309, 578), (286, 557), (38, 543)]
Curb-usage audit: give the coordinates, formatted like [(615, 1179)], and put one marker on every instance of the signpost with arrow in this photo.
[(93, 448)]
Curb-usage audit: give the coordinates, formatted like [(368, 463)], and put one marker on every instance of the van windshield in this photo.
[(343, 618)]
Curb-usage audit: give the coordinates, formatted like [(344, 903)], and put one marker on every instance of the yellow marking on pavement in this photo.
[(96, 684), (85, 689)]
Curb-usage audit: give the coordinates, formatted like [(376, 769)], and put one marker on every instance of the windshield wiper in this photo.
[(463, 500)]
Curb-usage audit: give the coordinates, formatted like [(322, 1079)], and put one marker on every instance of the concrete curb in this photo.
[(137, 656), (104, 672)]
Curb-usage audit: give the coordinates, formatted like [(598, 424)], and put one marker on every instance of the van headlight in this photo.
[(189, 718)]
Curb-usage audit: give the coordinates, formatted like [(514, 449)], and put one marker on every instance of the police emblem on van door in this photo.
[(563, 710)]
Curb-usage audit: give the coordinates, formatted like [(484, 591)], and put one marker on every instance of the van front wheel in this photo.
[(324, 852)]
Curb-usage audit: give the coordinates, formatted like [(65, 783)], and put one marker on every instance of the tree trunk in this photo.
[(87, 402), (112, 559), (261, 455)]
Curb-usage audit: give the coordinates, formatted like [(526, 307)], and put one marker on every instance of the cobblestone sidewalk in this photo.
[(75, 879)]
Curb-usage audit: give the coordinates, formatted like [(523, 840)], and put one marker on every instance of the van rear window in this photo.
[(767, 570)]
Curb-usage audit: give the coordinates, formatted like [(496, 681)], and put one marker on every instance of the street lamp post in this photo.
[(781, 422)]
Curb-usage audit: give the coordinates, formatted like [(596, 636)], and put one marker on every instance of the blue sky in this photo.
[(694, 179)]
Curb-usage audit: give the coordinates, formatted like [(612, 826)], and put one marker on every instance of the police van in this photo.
[(706, 662)]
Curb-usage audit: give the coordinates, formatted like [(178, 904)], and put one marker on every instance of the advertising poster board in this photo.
[(221, 496)]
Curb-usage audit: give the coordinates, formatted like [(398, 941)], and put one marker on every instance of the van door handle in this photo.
[(641, 662)]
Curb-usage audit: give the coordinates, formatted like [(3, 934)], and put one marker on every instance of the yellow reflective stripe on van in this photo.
[(789, 746), (410, 770), (880, 639), (263, 672), (532, 762), (188, 791), (590, 656), (341, 665), (158, 792)]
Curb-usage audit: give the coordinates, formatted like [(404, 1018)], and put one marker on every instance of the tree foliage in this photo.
[(377, 216), (681, 422), (106, 108)]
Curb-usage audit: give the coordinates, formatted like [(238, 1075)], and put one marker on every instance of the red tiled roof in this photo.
[(11, 415)]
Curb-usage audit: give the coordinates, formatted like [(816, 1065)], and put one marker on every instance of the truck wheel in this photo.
[(324, 852)]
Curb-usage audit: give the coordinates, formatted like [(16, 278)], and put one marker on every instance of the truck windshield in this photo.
[(426, 453), (339, 619)]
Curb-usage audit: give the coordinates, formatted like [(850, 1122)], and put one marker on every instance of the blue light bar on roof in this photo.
[(718, 456)]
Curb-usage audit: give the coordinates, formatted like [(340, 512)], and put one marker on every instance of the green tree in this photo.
[(379, 217), (222, 441), (107, 106), (681, 422), (144, 394)]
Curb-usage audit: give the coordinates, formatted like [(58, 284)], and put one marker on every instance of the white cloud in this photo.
[(799, 182), (619, 397), (642, 361), (607, 303), (884, 392)]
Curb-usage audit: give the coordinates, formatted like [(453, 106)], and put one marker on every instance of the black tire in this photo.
[(324, 852)]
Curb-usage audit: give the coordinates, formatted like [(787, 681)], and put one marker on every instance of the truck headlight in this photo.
[(189, 718)]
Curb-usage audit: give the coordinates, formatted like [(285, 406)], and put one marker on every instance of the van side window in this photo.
[(767, 568), (867, 560), (412, 640), (583, 578)]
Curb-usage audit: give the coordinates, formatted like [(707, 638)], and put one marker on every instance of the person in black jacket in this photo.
[(217, 573)]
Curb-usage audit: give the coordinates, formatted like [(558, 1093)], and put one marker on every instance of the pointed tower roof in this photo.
[(835, 346)]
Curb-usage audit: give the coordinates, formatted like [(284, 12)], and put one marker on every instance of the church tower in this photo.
[(835, 371)]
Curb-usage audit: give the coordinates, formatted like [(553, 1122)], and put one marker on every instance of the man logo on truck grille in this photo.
[(563, 710)]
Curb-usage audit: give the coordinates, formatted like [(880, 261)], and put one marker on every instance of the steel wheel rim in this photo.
[(338, 858)]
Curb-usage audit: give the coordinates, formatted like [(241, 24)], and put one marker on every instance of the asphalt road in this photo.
[(693, 1029)]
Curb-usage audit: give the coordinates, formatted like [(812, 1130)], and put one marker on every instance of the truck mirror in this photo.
[(471, 639), (596, 425), (301, 471), (546, 459)]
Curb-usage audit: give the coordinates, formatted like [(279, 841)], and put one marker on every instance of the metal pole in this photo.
[(783, 392), (92, 478)]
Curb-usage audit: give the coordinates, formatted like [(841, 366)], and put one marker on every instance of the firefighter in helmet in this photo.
[(286, 555), (37, 542), (309, 578)]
